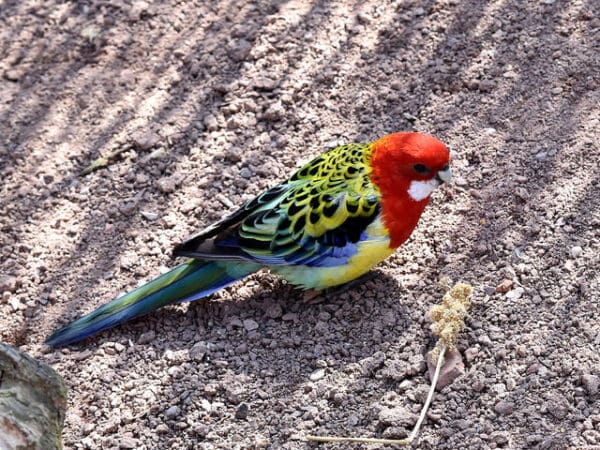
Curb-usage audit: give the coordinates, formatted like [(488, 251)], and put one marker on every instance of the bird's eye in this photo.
[(421, 168)]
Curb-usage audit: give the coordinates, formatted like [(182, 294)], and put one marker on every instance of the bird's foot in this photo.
[(313, 297)]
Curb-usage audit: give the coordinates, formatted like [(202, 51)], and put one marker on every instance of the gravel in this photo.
[(214, 102)]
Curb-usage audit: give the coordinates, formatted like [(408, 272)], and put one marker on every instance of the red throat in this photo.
[(401, 214), (390, 154)]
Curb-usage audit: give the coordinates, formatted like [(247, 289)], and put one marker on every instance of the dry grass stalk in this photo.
[(448, 320)]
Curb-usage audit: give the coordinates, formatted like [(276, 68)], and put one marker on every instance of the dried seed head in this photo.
[(448, 319)]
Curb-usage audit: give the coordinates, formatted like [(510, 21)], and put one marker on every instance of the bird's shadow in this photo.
[(263, 315)]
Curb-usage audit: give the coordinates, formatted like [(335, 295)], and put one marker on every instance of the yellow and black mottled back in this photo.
[(326, 204)]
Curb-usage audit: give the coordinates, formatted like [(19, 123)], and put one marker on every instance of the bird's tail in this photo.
[(187, 282)]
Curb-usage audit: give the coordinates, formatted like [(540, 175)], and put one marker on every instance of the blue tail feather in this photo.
[(190, 281)]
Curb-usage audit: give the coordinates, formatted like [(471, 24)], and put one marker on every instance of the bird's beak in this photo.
[(444, 175)]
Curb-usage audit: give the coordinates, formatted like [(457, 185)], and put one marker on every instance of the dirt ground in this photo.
[(212, 102)]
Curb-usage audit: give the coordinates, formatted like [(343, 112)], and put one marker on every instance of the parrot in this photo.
[(334, 219)]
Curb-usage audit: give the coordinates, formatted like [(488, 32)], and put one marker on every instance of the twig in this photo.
[(104, 161)]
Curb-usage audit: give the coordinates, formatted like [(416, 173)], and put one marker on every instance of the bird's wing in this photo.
[(316, 218)]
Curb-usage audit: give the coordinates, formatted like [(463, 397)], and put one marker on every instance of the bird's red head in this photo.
[(407, 167)]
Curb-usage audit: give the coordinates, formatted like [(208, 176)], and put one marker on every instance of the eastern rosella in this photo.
[(332, 221)]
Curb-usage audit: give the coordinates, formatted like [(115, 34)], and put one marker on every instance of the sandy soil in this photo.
[(213, 102)]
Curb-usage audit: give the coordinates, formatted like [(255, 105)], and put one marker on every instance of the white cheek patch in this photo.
[(420, 190)]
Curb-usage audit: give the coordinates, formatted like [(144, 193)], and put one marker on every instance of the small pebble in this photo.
[(274, 311), (172, 412), (471, 353), (576, 251), (504, 286), (147, 337), (363, 18), (198, 350), (504, 407), (275, 112), (148, 215), (161, 428), (397, 416), (590, 383), (250, 325), (516, 293), (453, 368), (8, 283), (242, 411), (239, 50), (211, 123), (145, 139), (317, 375)]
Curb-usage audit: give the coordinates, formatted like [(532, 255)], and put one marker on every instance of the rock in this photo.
[(250, 325), (147, 337), (504, 286), (576, 251), (13, 74), (239, 51), (363, 18), (169, 184), (245, 173), (172, 412), (398, 416), (275, 112), (453, 368), (8, 283), (211, 123), (558, 406), (274, 311), (590, 383), (265, 84), (317, 375), (504, 407), (516, 293), (484, 339), (471, 353), (233, 154), (290, 316), (129, 442), (149, 215), (155, 154), (198, 350), (487, 85), (500, 437), (162, 428), (143, 139), (242, 411), (32, 402), (138, 9), (119, 347), (127, 208)]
